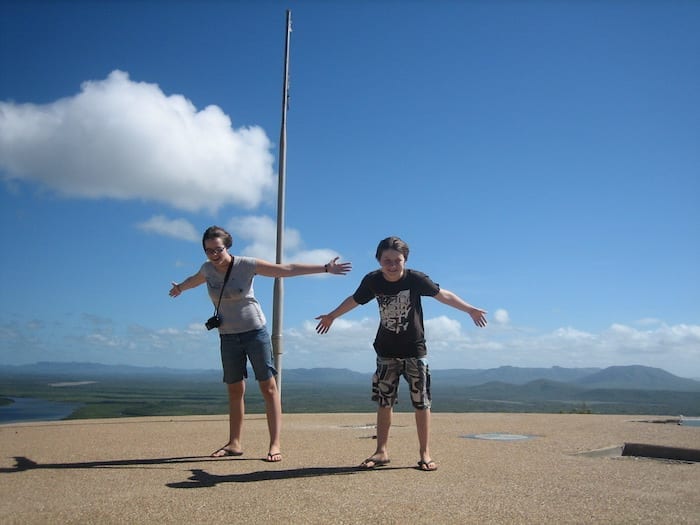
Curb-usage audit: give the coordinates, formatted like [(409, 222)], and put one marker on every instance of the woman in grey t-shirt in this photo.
[(242, 329)]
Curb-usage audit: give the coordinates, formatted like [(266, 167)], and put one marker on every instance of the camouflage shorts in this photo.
[(385, 382)]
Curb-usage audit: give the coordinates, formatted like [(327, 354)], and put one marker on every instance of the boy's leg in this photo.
[(273, 411), (381, 454), (385, 384), (423, 428), (417, 373), (384, 417)]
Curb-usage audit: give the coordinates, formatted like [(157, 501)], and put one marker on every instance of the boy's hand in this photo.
[(175, 290), (324, 323)]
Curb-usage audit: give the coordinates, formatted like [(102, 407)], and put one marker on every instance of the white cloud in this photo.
[(451, 344), (444, 326), (122, 139), (348, 344), (254, 236), (260, 232), (176, 228), (501, 316), (663, 340)]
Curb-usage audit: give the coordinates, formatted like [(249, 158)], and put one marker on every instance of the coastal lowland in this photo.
[(103, 391)]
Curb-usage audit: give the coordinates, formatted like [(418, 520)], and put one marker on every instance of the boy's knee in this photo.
[(384, 401)]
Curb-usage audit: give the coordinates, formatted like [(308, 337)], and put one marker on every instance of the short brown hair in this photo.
[(392, 243)]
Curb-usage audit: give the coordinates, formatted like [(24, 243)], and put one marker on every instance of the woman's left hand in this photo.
[(337, 268)]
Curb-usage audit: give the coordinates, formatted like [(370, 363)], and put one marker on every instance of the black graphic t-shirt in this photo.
[(401, 332)]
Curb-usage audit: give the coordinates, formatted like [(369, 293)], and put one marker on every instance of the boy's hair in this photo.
[(217, 232), (392, 243)]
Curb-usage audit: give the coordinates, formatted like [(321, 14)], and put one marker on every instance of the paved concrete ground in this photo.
[(151, 470)]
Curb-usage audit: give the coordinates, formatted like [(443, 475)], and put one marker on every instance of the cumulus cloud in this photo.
[(444, 326), (674, 348), (254, 236), (451, 344), (122, 139), (347, 345), (456, 344), (176, 228), (501, 316), (260, 236)]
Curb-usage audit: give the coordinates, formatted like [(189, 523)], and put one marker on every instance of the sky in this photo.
[(540, 158)]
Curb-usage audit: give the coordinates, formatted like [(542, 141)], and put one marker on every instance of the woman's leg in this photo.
[(236, 411), (273, 411)]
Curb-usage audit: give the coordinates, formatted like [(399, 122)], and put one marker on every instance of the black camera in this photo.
[(213, 322)]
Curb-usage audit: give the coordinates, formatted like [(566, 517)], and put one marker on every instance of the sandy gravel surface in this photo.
[(155, 470)]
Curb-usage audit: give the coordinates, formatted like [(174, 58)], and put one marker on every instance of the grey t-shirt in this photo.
[(239, 311)]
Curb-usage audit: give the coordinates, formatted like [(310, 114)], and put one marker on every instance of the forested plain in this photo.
[(163, 393)]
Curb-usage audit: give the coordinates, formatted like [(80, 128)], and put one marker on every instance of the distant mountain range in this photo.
[(633, 377)]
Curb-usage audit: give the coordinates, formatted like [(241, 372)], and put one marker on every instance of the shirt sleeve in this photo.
[(426, 286), (364, 292)]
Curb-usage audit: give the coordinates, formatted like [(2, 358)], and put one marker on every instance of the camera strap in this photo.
[(221, 294)]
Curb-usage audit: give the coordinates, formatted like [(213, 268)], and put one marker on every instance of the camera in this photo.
[(213, 322)]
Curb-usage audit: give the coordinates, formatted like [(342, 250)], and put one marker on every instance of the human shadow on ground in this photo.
[(203, 479), (200, 478), (23, 463)]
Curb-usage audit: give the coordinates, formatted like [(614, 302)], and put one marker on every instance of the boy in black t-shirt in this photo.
[(400, 341)]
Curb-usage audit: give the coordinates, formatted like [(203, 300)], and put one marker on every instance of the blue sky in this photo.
[(540, 158)]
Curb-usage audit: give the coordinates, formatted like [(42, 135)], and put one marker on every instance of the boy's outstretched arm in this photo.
[(450, 299), (325, 321)]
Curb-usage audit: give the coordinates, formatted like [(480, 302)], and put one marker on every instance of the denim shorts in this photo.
[(237, 349), (385, 382)]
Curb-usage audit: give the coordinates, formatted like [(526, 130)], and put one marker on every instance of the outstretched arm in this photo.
[(450, 299), (269, 269), (190, 282), (325, 321)]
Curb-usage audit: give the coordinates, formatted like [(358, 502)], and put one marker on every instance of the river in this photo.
[(26, 409)]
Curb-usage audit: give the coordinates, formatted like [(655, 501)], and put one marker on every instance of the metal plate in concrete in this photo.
[(499, 436)]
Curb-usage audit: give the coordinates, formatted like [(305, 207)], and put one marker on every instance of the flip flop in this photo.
[(427, 466), (371, 463), (224, 452), (274, 457)]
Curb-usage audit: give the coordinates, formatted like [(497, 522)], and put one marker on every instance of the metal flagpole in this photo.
[(278, 293)]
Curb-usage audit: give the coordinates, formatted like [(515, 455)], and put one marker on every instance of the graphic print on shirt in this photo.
[(394, 310)]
